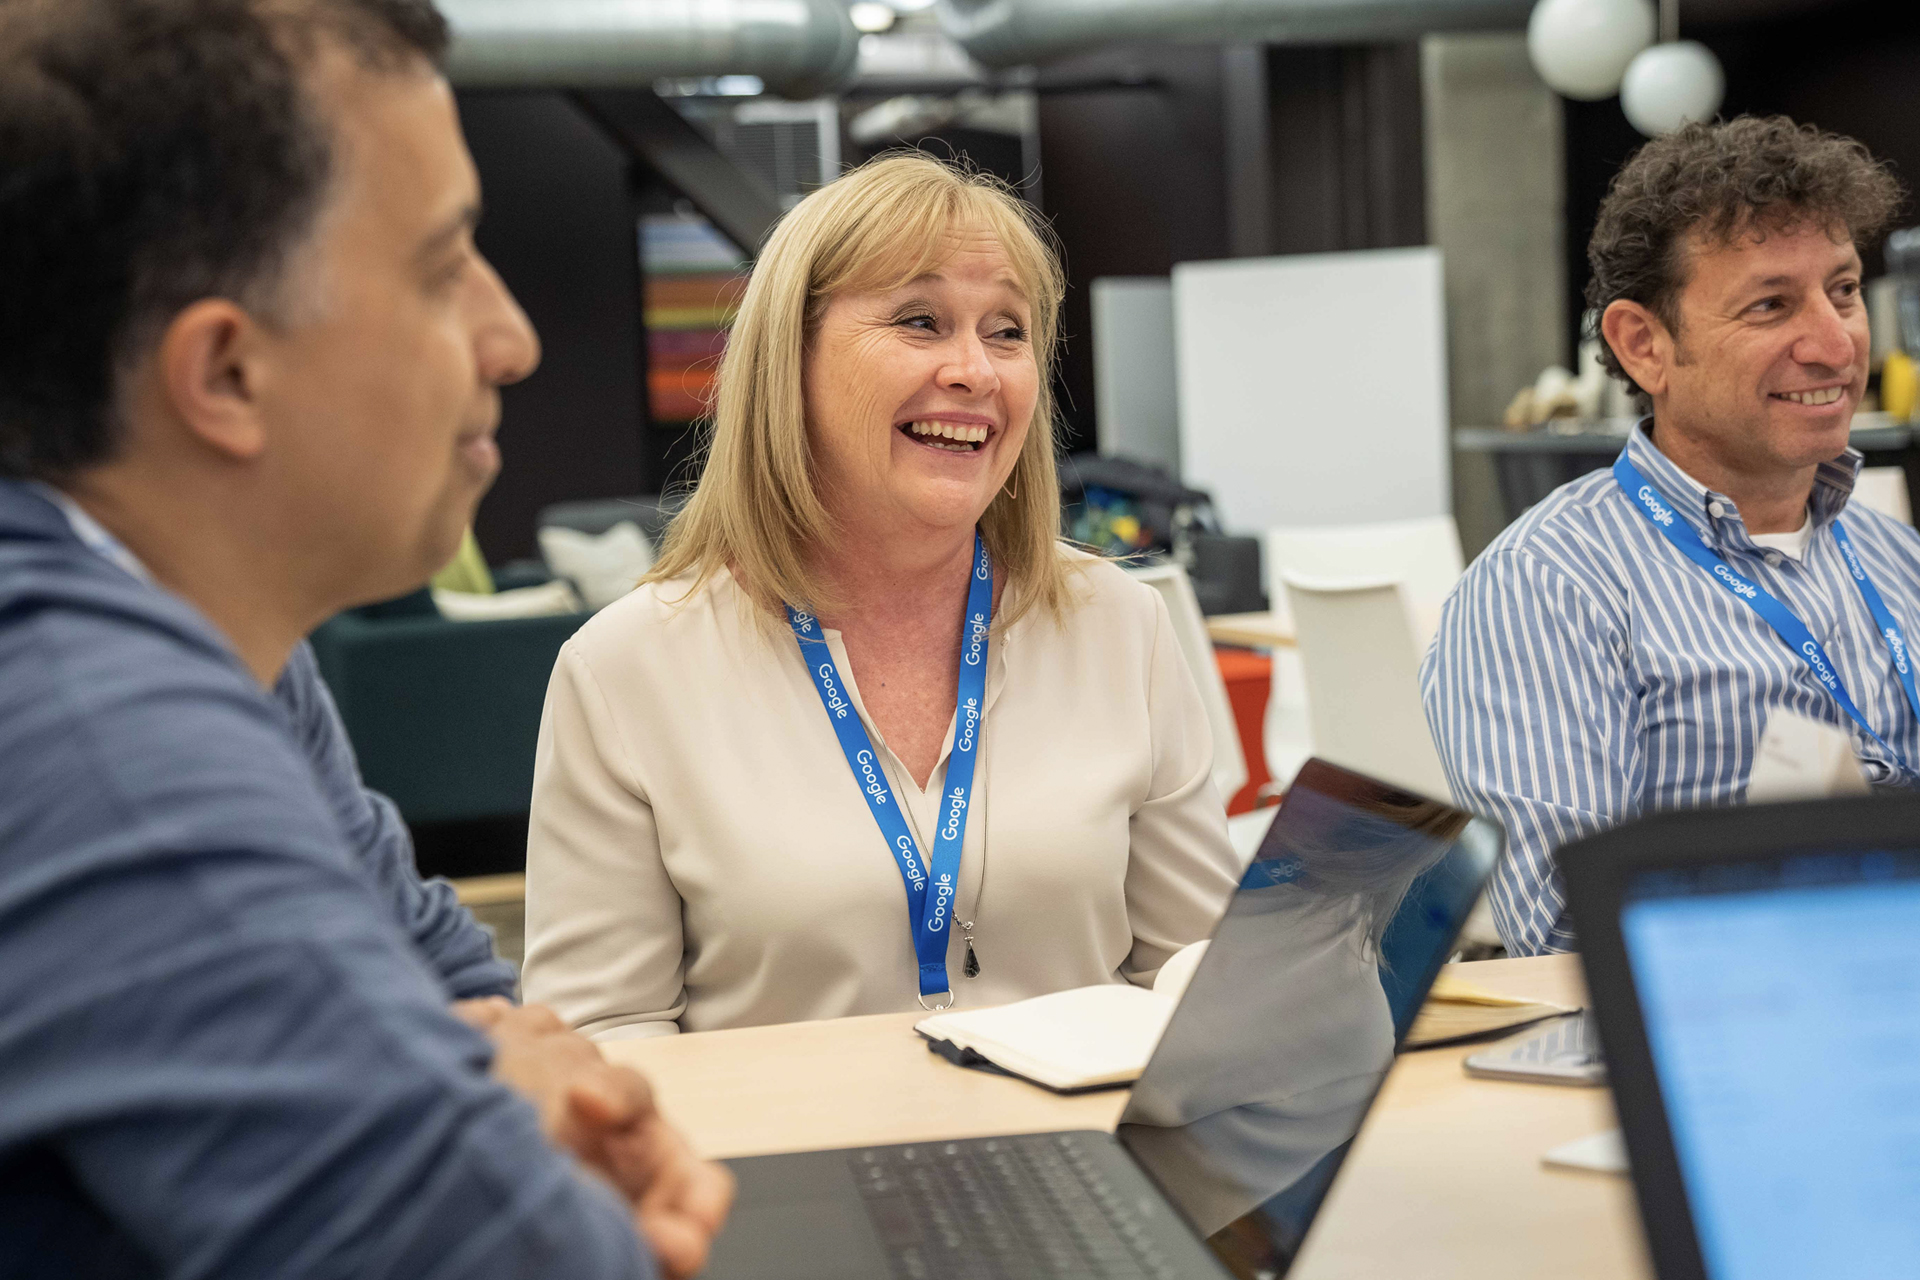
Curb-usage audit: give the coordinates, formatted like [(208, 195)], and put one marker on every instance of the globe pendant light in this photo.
[(1672, 83), (1581, 48)]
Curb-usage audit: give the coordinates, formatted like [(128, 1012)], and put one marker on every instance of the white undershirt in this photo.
[(92, 533), (1788, 544)]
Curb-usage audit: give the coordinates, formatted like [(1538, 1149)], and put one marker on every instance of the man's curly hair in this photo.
[(1719, 182)]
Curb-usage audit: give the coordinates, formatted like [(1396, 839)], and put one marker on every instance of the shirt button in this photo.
[(1773, 558), (1716, 509)]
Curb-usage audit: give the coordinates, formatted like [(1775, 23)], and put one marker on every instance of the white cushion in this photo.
[(522, 602), (603, 566)]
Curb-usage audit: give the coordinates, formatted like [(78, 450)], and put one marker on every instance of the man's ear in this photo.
[(210, 362), (1641, 343)]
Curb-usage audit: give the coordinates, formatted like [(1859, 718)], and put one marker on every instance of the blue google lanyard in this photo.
[(1782, 619), (928, 914)]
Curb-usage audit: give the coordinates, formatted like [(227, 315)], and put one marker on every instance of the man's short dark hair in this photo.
[(1721, 181), (153, 153)]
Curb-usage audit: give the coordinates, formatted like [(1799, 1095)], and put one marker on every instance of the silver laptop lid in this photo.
[(1287, 1029)]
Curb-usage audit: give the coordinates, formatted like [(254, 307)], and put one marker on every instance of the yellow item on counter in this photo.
[(467, 571), (1899, 386)]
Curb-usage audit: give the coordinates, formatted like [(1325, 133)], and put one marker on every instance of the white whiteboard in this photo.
[(1313, 387)]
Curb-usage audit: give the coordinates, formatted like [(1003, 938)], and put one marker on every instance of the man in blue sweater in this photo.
[(249, 372)]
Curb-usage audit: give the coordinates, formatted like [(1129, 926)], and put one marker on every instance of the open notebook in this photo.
[(1087, 1038)]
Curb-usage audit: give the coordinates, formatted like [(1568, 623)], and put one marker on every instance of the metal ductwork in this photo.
[(798, 48), (1009, 33)]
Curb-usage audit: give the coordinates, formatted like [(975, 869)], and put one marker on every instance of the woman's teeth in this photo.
[(1826, 396), (950, 436)]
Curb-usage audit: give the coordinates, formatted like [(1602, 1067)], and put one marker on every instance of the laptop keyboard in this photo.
[(1016, 1208)]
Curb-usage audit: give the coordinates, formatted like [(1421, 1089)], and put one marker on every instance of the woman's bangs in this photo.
[(883, 253)]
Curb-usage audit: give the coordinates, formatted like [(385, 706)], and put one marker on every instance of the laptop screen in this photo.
[(1782, 1007), (1285, 1032)]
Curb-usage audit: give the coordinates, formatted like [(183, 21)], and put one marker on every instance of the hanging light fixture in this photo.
[(1674, 82), (871, 17), (1581, 48)]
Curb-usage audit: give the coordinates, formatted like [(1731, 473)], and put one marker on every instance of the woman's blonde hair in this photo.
[(757, 508)]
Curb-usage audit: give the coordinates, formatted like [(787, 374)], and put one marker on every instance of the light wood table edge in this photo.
[(1249, 631), (490, 891)]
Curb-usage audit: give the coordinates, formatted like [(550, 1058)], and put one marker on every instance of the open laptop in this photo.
[(1234, 1132), (1756, 976)]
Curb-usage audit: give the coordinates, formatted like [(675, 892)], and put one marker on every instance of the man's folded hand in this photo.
[(605, 1115)]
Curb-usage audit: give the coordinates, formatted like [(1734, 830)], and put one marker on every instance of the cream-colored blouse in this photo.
[(700, 855)]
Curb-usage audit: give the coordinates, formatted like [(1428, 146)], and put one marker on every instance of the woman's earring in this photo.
[(1013, 490)]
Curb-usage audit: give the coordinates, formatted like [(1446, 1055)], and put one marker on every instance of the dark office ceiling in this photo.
[(1728, 12)]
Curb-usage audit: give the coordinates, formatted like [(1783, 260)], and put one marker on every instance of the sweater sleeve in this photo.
[(457, 946), (212, 1020)]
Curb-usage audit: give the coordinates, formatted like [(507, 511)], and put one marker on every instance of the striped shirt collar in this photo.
[(1832, 487)]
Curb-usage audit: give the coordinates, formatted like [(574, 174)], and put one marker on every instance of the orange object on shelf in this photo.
[(718, 291), (680, 395), (1249, 678), (686, 317)]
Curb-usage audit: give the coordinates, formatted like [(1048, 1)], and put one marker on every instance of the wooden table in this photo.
[(1271, 631), (1251, 630), (1445, 1180)]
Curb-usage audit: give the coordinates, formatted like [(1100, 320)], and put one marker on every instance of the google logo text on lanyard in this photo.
[(927, 913), (1776, 615)]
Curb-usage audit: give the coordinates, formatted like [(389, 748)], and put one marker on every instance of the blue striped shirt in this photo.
[(1585, 671)]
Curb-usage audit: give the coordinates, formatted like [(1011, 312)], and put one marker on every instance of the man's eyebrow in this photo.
[(1788, 282), (460, 223)]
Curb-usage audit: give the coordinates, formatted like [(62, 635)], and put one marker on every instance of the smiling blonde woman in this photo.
[(869, 737)]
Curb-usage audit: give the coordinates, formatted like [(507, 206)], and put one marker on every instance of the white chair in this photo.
[(1361, 663), (1884, 489), (1190, 629), (1363, 679), (1423, 555)]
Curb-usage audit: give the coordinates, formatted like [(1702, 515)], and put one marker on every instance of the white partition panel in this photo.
[(1134, 406), (1313, 388)]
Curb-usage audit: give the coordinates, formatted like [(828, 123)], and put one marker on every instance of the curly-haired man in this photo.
[(1620, 647)]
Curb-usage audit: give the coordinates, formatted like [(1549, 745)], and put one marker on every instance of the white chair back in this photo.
[(1884, 489), (1360, 660), (1422, 555), (1190, 629), (1363, 679)]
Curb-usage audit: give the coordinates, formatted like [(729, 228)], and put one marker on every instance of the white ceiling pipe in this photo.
[(799, 48), (1007, 33)]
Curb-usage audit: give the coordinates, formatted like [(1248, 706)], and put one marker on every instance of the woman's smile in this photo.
[(949, 435)]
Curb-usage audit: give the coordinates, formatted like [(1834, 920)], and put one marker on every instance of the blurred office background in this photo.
[(1386, 202)]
